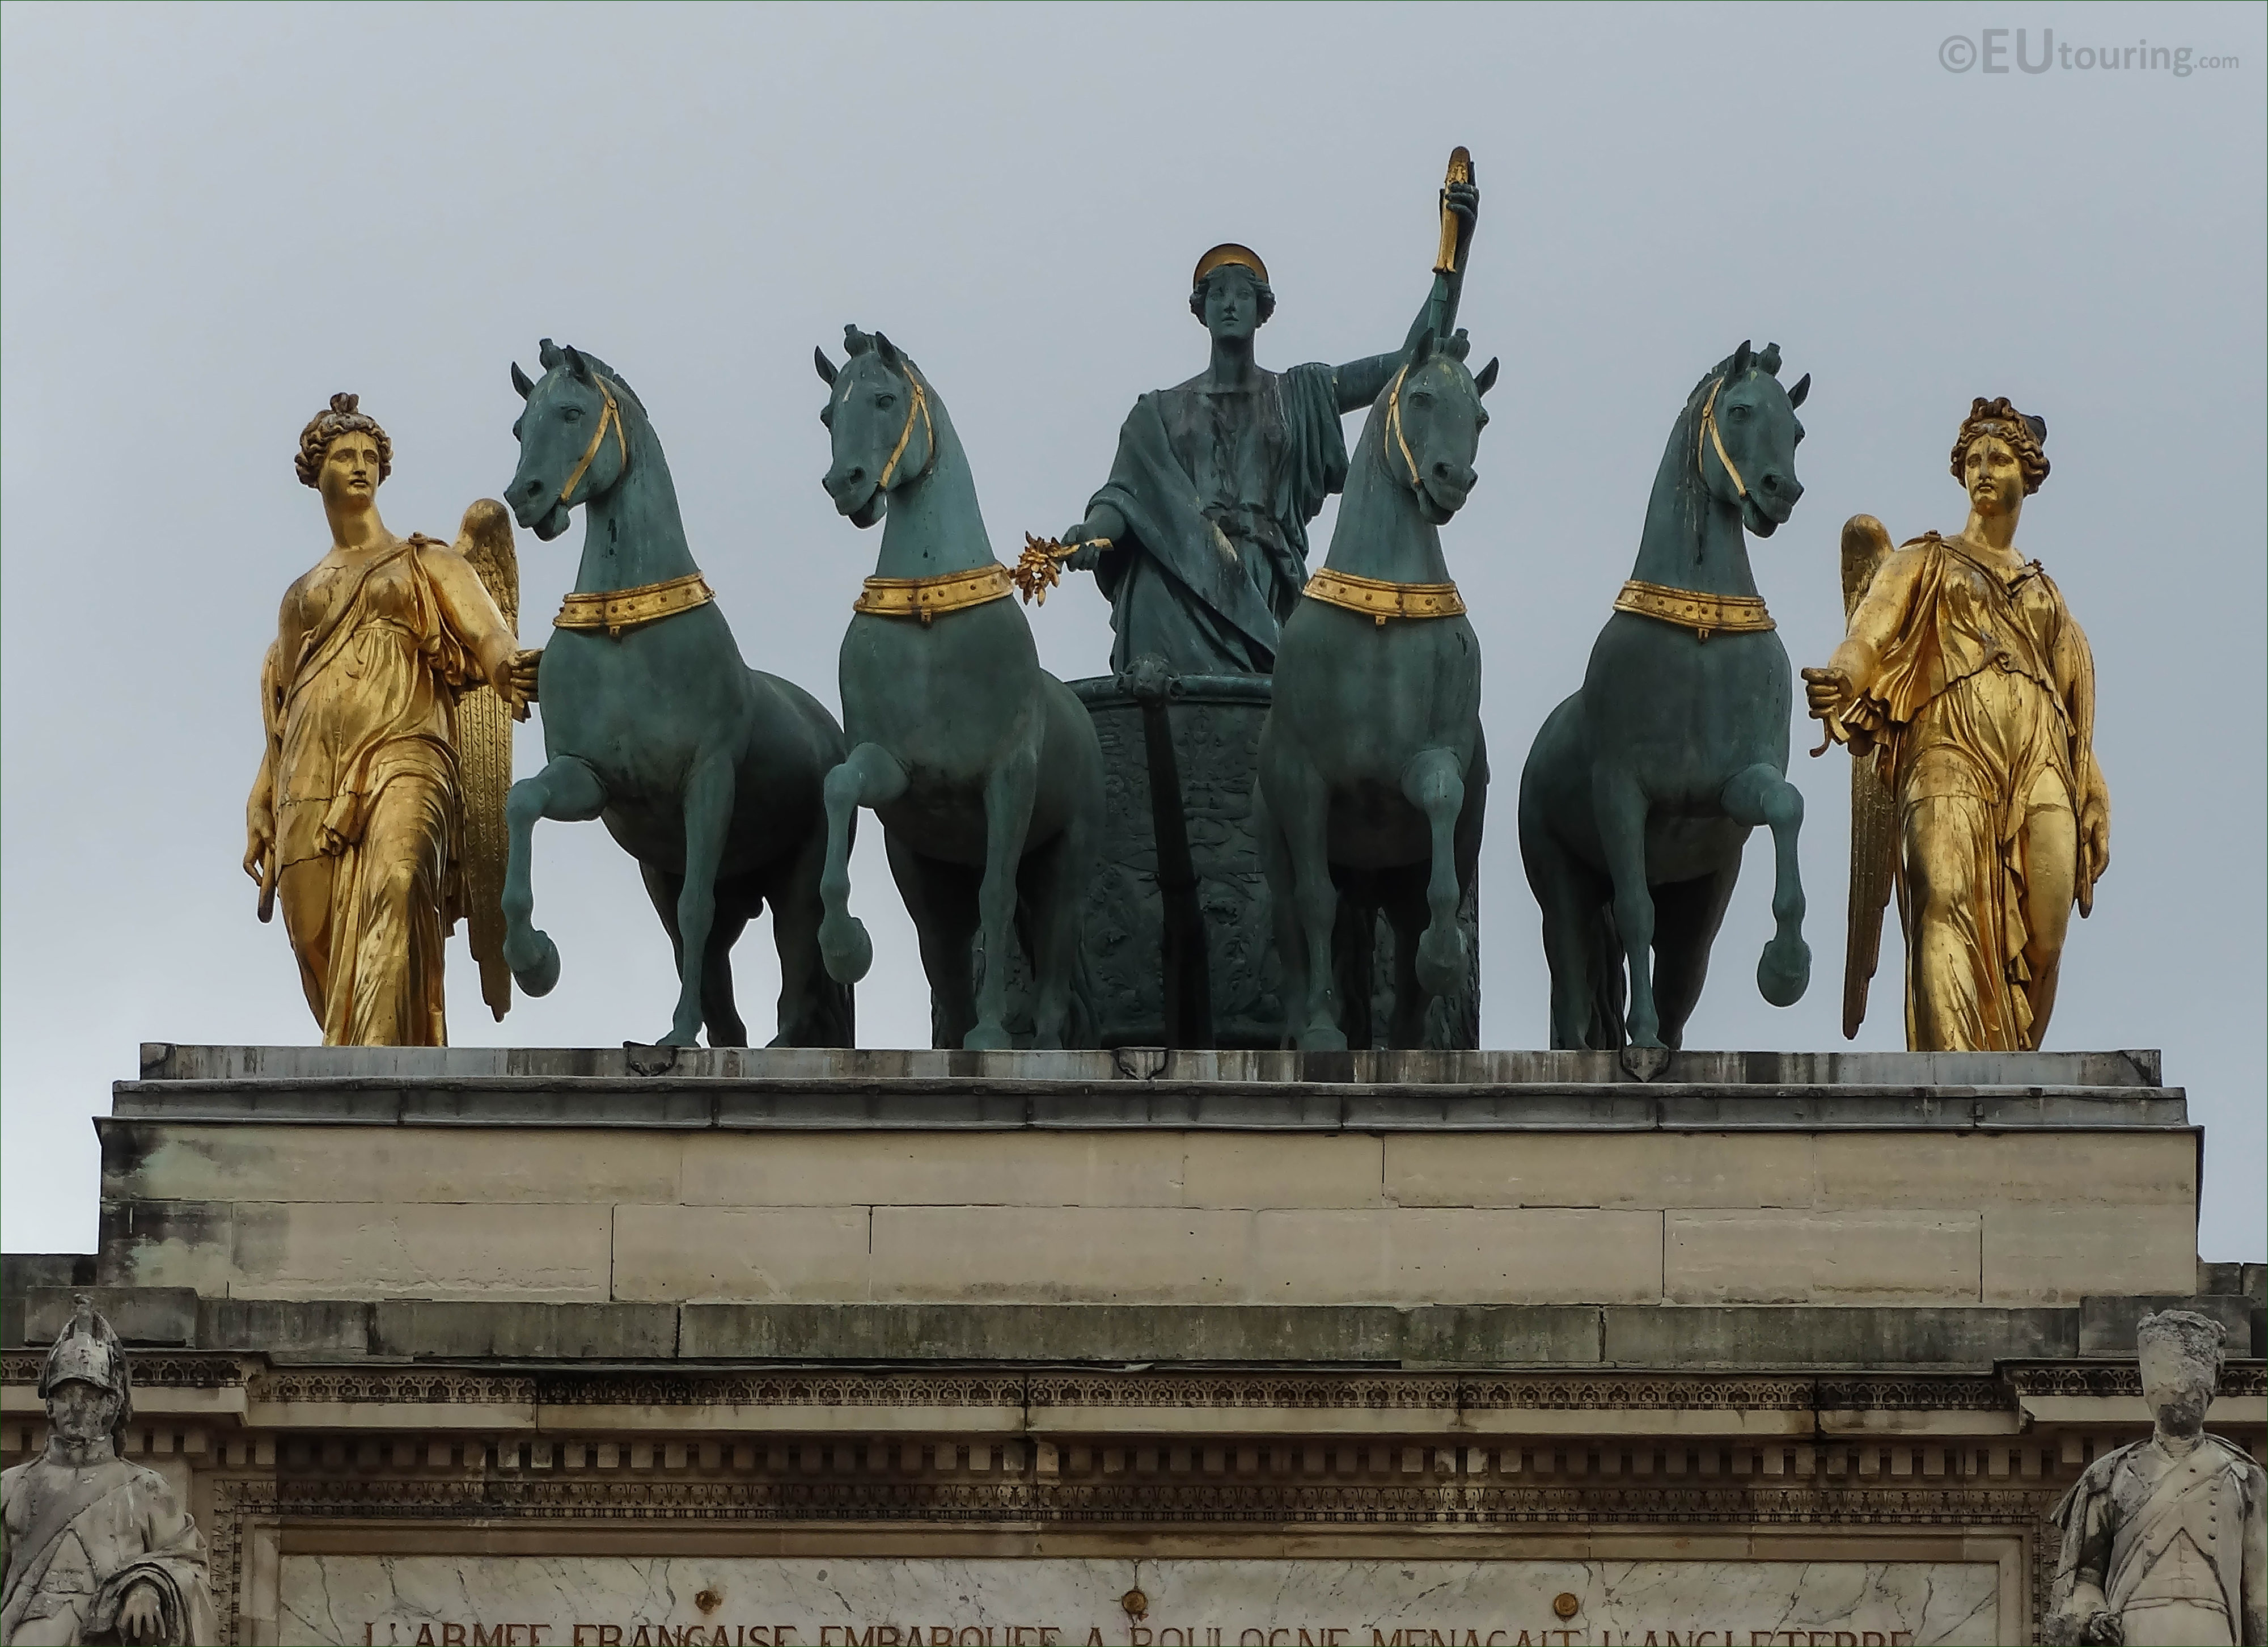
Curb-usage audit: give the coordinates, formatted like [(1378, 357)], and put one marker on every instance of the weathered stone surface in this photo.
[(2057, 1254), (1719, 1256), (393, 1250), (673, 1254), (1975, 1169), (1611, 1169), (159, 1316), (1023, 1168), (1836, 1336), (20, 1272), (1049, 1255), (535, 1332), (2106, 1325), (344, 1598)]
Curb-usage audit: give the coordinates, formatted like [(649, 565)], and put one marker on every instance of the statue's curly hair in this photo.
[(326, 426), (2025, 435), (1261, 290)]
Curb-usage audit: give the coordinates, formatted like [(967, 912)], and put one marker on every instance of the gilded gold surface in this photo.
[(1040, 568), (356, 823), (1378, 599), (1460, 171), (1703, 613), (615, 610), (926, 598), (1965, 674), (1873, 809)]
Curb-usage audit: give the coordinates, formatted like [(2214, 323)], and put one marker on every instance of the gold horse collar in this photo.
[(1706, 615), (615, 610), (927, 597), (1377, 598)]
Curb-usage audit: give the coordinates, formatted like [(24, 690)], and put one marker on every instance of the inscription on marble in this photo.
[(662, 1601)]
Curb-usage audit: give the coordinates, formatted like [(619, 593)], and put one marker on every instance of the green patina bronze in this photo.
[(707, 771), (1642, 789), (982, 767), (1373, 767), (1216, 479)]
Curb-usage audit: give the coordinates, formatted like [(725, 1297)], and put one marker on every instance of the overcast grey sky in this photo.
[(211, 218)]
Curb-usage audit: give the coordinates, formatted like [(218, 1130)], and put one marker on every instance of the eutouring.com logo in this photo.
[(2006, 51)]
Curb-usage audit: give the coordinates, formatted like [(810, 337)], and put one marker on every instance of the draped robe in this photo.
[(1217, 487), (362, 777), (1984, 711)]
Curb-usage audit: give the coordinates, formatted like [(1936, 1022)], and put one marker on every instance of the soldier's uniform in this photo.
[(2173, 1539)]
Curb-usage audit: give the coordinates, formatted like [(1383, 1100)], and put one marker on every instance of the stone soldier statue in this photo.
[(98, 1549), (2162, 1538), (1199, 538)]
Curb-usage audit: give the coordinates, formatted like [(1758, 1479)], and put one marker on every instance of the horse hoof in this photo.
[(680, 1038), (1323, 1038), (1442, 963), (1784, 971), (539, 970), (987, 1037), (845, 948)]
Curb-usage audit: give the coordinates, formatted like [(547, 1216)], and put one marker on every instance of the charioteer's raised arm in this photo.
[(1359, 381)]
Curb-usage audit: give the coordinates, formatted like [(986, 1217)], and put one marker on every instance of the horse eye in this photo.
[(885, 401), (572, 414), (1737, 411)]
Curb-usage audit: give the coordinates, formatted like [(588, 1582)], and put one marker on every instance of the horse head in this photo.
[(573, 445), (1433, 423), (1745, 437), (878, 416)]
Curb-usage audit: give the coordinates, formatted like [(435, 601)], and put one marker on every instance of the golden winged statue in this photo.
[(1965, 678), (386, 697), (1874, 809)]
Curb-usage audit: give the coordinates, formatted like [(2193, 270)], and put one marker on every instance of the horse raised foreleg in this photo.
[(869, 776), (1434, 783), (1009, 790), (569, 791), (1620, 805), (1761, 794), (708, 820)]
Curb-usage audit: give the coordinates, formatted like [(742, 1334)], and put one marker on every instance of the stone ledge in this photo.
[(1731, 1337), (941, 1103), (164, 1060)]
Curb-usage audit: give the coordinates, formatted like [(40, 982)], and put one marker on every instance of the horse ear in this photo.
[(1423, 349), (1802, 388), (826, 366), (888, 350), (1486, 378), (520, 381), (576, 363), (547, 354), (1743, 358)]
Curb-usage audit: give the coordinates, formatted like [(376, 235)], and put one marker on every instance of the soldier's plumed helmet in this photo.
[(86, 1349), (326, 426), (2199, 1338), (2027, 437)]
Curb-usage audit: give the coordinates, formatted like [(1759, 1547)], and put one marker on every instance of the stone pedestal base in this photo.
[(467, 1346)]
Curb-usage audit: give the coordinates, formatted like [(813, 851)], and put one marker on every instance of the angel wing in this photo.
[(1873, 812), (483, 737)]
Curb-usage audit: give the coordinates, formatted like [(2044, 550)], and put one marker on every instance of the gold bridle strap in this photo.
[(1706, 615), (1709, 433), (612, 416), (615, 610), (1377, 598), (917, 407), (1393, 422), (926, 598)]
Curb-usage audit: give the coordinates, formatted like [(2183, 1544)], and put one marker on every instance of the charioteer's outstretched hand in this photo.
[(1827, 693)]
